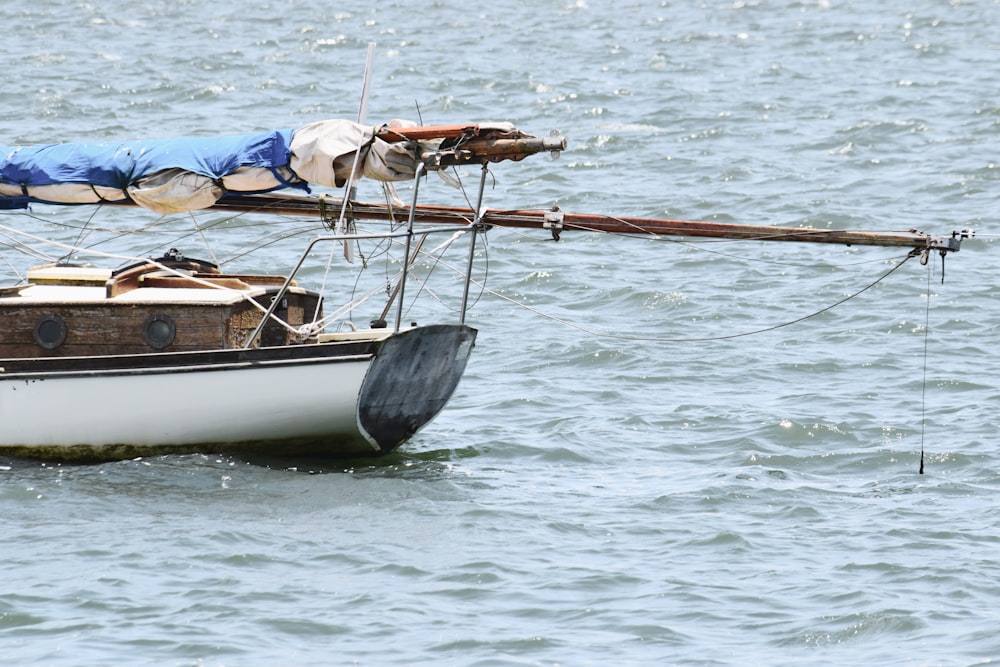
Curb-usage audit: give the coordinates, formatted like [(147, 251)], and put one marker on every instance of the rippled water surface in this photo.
[(618, 479)]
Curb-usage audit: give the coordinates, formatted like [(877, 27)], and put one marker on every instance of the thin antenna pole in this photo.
[(366, 83), (343, 226)]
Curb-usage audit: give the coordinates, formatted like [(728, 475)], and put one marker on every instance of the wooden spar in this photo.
[(473, 143), (558, 221), (426, 132)]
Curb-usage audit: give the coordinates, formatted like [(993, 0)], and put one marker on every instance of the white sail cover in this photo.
[(174, 175)]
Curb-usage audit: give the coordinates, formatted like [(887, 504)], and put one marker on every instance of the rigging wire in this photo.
[(114, 234), (485, 290), (923, 384), (601, 334), (436, 258), (201, 232), (85, 231), (244, 251), (24, 249), (20, 278)]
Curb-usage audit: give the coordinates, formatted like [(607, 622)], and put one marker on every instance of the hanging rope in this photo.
[(600, 334), (923, 385)]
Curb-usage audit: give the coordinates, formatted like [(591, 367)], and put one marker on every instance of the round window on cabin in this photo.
[(159, 331), (50, 331)]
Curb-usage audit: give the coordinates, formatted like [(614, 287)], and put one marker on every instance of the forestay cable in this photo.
[(600, 334)]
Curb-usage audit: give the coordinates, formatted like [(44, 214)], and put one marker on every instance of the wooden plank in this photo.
[(192, 282)]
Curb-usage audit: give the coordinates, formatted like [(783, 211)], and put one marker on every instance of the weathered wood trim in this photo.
[(167, 361), (115, 327)]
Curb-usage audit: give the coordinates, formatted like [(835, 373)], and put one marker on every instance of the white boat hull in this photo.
[(362, 398)]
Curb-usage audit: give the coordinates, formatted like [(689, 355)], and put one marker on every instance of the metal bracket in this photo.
[(329, 217), (943, 245), (554, 221), (556, 143), (949, 243)]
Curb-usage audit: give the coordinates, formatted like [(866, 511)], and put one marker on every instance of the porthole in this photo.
[(159, 331), (50, 331)]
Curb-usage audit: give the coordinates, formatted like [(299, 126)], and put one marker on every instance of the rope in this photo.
[(923, 385), (600, 334)]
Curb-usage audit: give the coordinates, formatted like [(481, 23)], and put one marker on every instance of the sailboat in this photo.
[(172, 354)]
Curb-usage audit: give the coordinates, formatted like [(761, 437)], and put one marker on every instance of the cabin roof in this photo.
[(33, 295)]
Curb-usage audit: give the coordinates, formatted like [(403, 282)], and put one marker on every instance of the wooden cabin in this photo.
[(142, 308)]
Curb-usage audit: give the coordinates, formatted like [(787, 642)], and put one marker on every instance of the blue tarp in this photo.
[(116, 165)]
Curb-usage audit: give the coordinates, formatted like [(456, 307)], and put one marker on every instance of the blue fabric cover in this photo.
[(119, 164)]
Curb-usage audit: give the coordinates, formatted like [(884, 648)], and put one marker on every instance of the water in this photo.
[(586, 499)]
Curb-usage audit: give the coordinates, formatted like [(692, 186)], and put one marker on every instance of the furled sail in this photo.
[(174, 175)]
